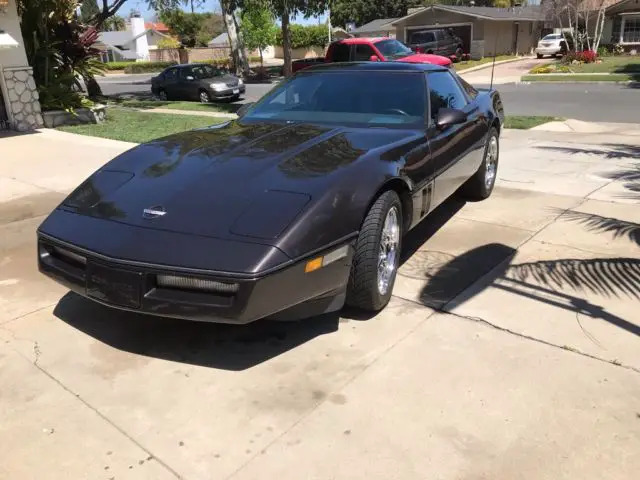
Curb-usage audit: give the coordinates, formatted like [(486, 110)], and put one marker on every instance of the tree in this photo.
[(284, 10), (236, 41), (258, 27), (365, 11), (114, 24), (185, 26), (88, 10)]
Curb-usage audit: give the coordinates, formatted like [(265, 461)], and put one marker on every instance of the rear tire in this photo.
[(480, 185), (162, 95), (539, 55), (377, 255), (459, 53)]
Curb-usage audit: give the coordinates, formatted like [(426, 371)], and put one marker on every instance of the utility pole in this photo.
[(329, 21)]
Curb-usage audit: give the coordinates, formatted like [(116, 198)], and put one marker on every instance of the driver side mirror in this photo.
[(243, 109), (448, 117), (374, 58)]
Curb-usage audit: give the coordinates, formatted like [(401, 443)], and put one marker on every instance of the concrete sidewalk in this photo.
[(511, 348)]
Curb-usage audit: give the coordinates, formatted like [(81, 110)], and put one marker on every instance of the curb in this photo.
[(574, 82), (489, 64)]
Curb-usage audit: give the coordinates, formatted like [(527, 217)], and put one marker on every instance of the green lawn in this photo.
[(568, 77), (138, 127), (526, 122), (474, 63), (193, 106)]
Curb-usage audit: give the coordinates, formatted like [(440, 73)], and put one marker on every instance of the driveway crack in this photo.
[(541, 341)]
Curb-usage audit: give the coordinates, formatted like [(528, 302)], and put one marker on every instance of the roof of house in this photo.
[(222, 39), (375, 26), (157, 26), (532, 13), (115, 38)]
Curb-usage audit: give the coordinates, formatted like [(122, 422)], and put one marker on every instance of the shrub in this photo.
[(587, 56), (304, 36), (542, 69), (117, 65), (146, 67)]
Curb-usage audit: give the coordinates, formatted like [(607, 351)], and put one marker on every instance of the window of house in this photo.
[(631, 30), (444, 92)]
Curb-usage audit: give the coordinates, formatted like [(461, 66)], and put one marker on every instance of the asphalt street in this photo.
[(587, 102)]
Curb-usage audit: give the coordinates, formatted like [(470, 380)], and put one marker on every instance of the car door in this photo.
[(454, 149), (170, 83), (441, 48), (186, 86)]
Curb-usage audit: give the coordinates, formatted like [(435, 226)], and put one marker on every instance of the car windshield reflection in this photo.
[(368, 97)]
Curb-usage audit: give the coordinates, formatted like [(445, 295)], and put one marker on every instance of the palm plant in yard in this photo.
[(60, 50)]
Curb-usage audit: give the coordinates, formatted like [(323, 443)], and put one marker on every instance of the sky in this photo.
[(207, 6)]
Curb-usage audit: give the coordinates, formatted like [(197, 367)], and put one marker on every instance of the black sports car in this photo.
[(295, 208)]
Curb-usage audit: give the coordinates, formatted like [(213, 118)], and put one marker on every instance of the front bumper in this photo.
[(548, 50), (287, 293), (228, 92)]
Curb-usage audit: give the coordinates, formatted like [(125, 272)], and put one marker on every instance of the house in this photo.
[(622, 25), (377, 28), (484, 31), (19, 105), (133, 43)]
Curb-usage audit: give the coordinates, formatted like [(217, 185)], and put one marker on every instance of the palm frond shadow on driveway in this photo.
[(562, 283), (600, 224), (614, 151)]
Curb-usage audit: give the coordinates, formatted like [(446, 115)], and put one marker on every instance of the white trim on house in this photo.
[(5, 98)]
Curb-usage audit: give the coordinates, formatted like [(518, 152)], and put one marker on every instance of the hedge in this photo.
[(117, 65), (304, 36), (146, 67)]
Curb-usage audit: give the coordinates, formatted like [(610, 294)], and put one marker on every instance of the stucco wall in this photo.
[(10, 23), (299, 53)]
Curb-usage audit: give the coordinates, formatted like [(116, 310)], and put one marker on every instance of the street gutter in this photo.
[(490, 64)]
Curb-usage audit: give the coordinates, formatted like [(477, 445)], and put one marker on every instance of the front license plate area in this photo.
[(113, 285), (236, 90)]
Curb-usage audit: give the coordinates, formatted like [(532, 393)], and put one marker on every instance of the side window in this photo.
[(171, 74), (440, 35), (466, 86), (363, 53), (340, 52), (444, 92), (185, 72)]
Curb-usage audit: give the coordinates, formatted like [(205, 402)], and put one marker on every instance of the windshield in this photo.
[(201, 71), (552, 37), (393, 48), (347, 97)]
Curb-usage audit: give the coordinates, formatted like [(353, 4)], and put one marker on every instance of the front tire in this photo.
[(480, 185), (204, 96), (162, 95), (377, 255), (539, 55)]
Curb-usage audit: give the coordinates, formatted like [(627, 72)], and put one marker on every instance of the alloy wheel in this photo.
[(491, 162), (388, 254)]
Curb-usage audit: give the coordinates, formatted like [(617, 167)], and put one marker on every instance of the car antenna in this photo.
[(493, 65)]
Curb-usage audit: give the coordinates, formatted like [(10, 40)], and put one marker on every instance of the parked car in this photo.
[(381, 49), (552, 44), (196, 81), (292, 210), (440, 41)]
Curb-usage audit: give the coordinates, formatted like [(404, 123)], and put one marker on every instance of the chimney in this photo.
[(137, 28)]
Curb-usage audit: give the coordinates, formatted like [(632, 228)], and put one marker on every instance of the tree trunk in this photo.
[(286, 44), (93, 87), (261, 59), (238, 55)]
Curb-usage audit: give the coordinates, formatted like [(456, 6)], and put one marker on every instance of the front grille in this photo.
[(232, 84)]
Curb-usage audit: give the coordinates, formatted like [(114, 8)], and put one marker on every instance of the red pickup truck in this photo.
[(382, 49)]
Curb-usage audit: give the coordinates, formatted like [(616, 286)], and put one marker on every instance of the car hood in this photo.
[(247, 182), (427, 58)]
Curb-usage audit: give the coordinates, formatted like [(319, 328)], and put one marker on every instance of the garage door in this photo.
[(461, 31)]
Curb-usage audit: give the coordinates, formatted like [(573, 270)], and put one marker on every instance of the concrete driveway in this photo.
[(511, 348)]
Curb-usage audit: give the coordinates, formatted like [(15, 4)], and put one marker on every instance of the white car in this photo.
[(552, 44)]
